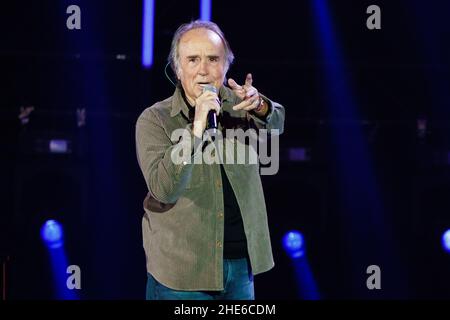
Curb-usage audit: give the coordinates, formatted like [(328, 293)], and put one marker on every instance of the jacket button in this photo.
[(218, 184), (220, 214), (219, 244)]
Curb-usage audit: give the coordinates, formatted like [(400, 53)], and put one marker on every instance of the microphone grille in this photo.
[(209, 87)]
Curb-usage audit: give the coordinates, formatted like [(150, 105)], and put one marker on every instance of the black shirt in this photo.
[(235, 242)]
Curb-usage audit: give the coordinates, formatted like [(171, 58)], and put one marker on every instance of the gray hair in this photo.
[(174, 55)]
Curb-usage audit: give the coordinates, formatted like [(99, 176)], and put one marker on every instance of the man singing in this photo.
[(205, 228)]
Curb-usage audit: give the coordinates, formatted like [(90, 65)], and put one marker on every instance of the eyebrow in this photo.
[(209, 56)]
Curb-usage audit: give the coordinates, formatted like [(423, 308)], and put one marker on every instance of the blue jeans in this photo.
[(237, 279)]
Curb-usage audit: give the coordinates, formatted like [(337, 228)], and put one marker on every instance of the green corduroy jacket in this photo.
[(183, 223)]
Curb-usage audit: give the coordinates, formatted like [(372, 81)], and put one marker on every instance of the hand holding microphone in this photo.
[(207, 106)]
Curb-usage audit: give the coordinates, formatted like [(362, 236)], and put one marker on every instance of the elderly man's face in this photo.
[(202, 61)]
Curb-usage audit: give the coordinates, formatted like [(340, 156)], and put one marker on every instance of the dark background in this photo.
[(397, 75)]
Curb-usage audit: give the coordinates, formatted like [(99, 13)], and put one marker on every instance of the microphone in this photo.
[(212, 116)]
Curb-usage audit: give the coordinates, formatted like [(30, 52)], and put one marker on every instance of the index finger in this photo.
[(249, 80), (233, 85)]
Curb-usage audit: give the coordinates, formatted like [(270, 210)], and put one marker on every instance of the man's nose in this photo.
[(203, 68)]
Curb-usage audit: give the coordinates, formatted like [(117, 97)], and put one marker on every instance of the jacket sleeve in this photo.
[(165, 163), (273, 120)]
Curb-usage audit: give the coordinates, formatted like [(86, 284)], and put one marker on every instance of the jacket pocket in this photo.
[(153, 205)]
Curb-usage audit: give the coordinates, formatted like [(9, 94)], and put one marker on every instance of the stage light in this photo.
[(52, 234), (293, 244), (59, 146), (446, 240), (299, 154), (205, 10), (148, 33)]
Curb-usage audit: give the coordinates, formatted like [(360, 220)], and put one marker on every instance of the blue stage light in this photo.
[(148, 22), (205, 10), (446, 240), (293, 244), (52, 234)]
